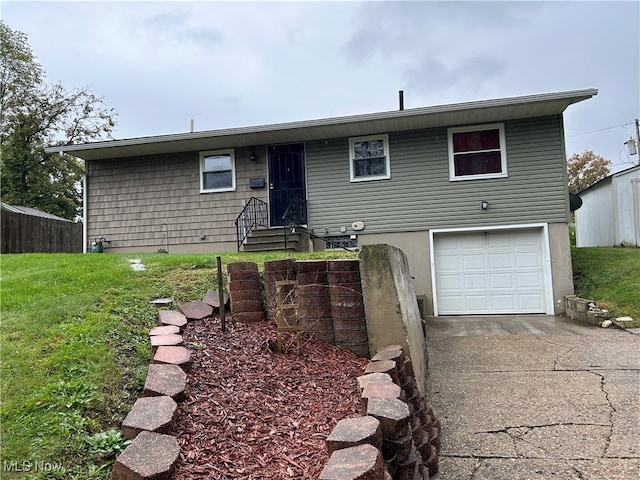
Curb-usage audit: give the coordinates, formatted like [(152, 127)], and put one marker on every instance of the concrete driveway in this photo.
[(534, 397)]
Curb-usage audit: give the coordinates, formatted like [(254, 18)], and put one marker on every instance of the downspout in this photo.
[(85, 240), (77, 168)]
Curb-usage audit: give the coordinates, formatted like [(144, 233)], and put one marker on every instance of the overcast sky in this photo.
[(235, 64)]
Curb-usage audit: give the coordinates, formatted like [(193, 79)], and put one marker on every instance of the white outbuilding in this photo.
[(610, 212)]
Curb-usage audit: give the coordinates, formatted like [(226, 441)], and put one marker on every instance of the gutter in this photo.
[(572, 96)]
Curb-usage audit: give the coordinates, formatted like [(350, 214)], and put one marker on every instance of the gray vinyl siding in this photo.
[(420, 196), (155, 202)]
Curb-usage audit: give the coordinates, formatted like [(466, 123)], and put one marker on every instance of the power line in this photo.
[(600, 130)]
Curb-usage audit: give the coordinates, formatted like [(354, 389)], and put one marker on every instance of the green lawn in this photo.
[(611, 277), (74, 351), (74, 345)]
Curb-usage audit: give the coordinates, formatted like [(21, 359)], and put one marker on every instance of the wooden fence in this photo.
[(30, 234)]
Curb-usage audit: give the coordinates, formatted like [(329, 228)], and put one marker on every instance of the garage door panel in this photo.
[(502, 303), (528, 259), (471, 241), (502, 281), (532, 280), (531, 301), (526, 242), (498, 240), (474, 262), (475, 282), (477, 303), (450, 263), (500, 260), (451, 283), (453, 305), (490, 272)]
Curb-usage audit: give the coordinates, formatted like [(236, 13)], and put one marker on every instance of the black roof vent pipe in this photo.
[(401, 99)]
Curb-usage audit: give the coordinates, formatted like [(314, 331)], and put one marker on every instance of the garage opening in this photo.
[(490, 272)]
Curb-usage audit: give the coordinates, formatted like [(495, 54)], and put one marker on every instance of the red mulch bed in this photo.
[(252, 413)]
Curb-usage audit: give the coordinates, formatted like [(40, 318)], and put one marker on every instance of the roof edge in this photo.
[(573, 96)]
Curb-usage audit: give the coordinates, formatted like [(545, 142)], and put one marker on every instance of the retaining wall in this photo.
[(398, 435), (330, 298)]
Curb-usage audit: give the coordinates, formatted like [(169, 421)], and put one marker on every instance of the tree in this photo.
[(585, 169), (35, 114)]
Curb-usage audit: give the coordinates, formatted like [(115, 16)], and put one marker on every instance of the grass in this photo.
[(74, 345), (74, 351), (611, 277)]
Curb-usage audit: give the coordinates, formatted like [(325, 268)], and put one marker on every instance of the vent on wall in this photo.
[(341, 241)]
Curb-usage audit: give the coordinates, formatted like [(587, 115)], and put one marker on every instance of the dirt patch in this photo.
[(252, 413)]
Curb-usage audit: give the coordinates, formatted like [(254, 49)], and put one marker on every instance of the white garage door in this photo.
[(495, 272)]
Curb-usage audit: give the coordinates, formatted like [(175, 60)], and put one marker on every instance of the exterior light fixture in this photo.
[(253, 157), (484, 204), (631, 146)]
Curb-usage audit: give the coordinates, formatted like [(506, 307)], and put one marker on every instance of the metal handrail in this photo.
[(296, 212), (255, 213), (312, 236), (294, 216)]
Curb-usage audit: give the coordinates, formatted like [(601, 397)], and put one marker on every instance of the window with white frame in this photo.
[(369, 158), (217, 171), (477, 152)]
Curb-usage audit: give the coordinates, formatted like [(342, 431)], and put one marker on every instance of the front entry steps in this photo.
[(272, 239)]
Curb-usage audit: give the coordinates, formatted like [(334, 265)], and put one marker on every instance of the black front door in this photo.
[(286, 178)]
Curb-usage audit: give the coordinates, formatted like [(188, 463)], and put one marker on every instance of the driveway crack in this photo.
[(612, 410), (575, 469), (559, 355)]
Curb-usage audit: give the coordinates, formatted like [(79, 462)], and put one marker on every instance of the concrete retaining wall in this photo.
[(391, 307)]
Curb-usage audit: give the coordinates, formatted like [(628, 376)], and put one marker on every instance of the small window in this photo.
[(477, 152), (369, 158), (217, 171)]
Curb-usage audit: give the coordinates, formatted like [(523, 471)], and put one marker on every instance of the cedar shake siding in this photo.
[(151, 203), (419, 195)]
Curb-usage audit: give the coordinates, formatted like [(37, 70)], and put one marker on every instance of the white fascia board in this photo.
[(393, 120)]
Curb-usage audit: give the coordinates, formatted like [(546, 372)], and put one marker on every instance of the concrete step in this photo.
[(271, 239)]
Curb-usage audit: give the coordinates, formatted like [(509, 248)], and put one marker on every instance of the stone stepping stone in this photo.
[(173, 356), (169, 339), (164, 330), (153, 414), (172, 317), (149, 456), (196, 310), (164, 379), (161, 302), (213, 298)]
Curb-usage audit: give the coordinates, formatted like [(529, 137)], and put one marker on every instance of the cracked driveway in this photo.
[(534, 397)]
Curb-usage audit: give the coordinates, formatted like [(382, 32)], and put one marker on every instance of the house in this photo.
[(610, 212), (474, 193)]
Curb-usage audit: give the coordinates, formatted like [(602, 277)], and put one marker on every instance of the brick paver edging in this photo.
[(397, 423)]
